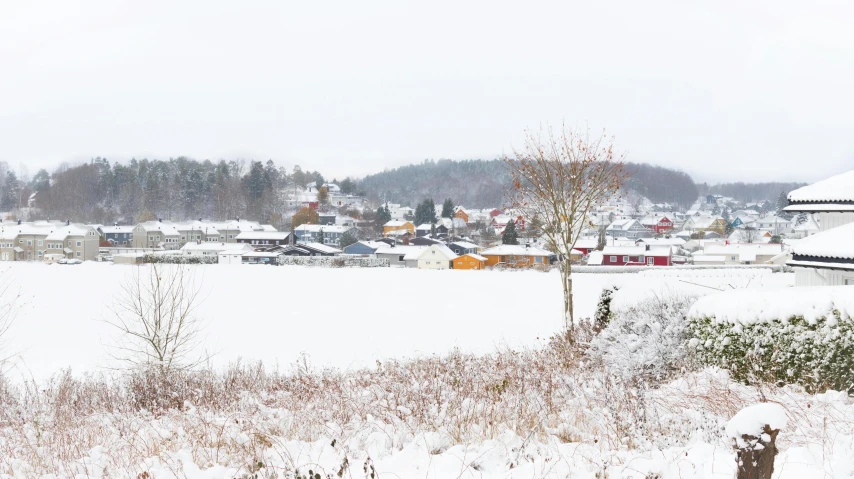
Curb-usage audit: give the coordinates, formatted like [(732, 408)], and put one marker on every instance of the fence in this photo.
[(334, 261)]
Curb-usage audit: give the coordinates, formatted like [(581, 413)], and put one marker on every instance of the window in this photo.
[(625, 259), (400, 258), (78, 253), (732, 258), (78, 244), (849, 281), (40, 244), (538, 259), (650, 261), (613, 259), (29, 242), (40, 253)]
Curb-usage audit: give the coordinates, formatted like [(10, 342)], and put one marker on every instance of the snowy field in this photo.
[(344, 318)]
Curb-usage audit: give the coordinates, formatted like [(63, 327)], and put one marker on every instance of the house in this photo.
[(659, 224), (437, 256), (462, 214), (156, 234), (740, 253), (424, 230), (327, 218), (263, 237), (807, 226), (774, 224), (117, 235), (400, 226), (364, 248), (644, 255), (586, 245), (209, 248), (425, 241), (628, 228), (469, 261), (326, 234), (319, 249), (516, 256), (705, 224), (31, 241), (464, 247), (826, 257), (400, 255)]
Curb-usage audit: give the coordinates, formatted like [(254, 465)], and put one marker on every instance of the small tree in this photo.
[(749, 234), (155, 314), (448, 208), (144, 216), (323, 196), (509, 236), (305, 215), (425, 212), (776, 239), (560, 179), (603, 238), (349, 237)]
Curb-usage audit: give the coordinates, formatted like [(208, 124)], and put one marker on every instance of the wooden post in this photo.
[(755, 459)]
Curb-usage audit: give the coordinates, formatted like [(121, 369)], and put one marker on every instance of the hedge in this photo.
[(817, 355)]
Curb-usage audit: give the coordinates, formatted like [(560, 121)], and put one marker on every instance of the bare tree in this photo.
[(559, 179), (155, 315), (749, 234)]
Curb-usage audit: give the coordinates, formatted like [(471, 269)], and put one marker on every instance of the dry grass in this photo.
[(241, 416)]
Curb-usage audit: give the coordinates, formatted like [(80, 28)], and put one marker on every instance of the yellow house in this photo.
[(398, 226), (461, 213), (516, 256)]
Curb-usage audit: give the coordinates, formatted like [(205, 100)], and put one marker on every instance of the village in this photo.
[(715, 231)]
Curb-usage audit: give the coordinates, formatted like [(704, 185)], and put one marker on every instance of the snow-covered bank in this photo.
[(340, 317)]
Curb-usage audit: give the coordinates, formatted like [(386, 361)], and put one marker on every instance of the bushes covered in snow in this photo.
[(643, 342), (794, 335)]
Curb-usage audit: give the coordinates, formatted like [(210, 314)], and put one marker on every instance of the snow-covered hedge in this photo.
[(334, 261), (638, 269), (179, 259), (788, 335)]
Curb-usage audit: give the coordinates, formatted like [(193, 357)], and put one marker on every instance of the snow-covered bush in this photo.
[(799, 335), (178, 259), (644, 341), (602, 316), (818, 355)]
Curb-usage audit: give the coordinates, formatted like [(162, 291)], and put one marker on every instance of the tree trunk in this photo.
[(756, 459), (566, 279)]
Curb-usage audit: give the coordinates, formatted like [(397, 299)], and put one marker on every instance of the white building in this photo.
[(825, 258), (437, 256), (206, 248)]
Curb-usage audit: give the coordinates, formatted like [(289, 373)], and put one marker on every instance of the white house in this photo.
[(437, 256), (206, 248)]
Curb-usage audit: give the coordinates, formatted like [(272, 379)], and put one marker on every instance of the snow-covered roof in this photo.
[(709, 258), (396, 224), (834, 243), (215, 246), (262, 235), (321, 247), (465, 245), (833, 189), (595, 258), (515, 250), (673, 241), (636, 251), (473, 255), (744, 251), (117, 229), (424, 227), (436, 248), (399, 249), (326, 228)]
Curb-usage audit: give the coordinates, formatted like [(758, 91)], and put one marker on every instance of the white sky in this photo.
[(725, 90)]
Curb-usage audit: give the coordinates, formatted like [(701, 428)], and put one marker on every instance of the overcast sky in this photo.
[(727, 91)]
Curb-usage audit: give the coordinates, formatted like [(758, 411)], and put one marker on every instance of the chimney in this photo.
[(200, 219), (647, 247), (67, 222), (160, 220), (19, 222)]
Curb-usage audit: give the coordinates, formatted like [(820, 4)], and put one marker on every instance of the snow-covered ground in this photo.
[(343, 318)]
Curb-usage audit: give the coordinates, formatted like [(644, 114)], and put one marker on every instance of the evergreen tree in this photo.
[(383, 215), (425, 212), (448, 208), (347, 239), (782, 201), (323, 196), (509, 236)]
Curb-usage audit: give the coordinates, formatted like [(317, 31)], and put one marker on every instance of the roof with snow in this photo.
[(515, 250), (262, 235), (320, 247), (636, 251), (839, 188), (834, 243), (117, 229), (214, 246), (397, 224), (473, 255), (436, 248)]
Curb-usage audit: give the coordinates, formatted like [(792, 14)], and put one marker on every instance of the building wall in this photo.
[(824, 277), (520, 261), (434, 263), (832, 220), (467, 262)]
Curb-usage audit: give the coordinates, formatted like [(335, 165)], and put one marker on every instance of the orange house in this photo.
[(516, 256), (461, 213), (469, 261), (398, 226)]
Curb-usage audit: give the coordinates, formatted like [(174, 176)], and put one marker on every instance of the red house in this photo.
[(586, 245), (659, 224), (636, 256)]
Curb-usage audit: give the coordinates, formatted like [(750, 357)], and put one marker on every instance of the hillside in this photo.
[(480, 183)]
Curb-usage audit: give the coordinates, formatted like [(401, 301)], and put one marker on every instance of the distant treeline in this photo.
[(480, 183), (749, 192)]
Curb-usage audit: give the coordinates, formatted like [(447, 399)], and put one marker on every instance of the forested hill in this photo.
[(480, 183), (750, 192)]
